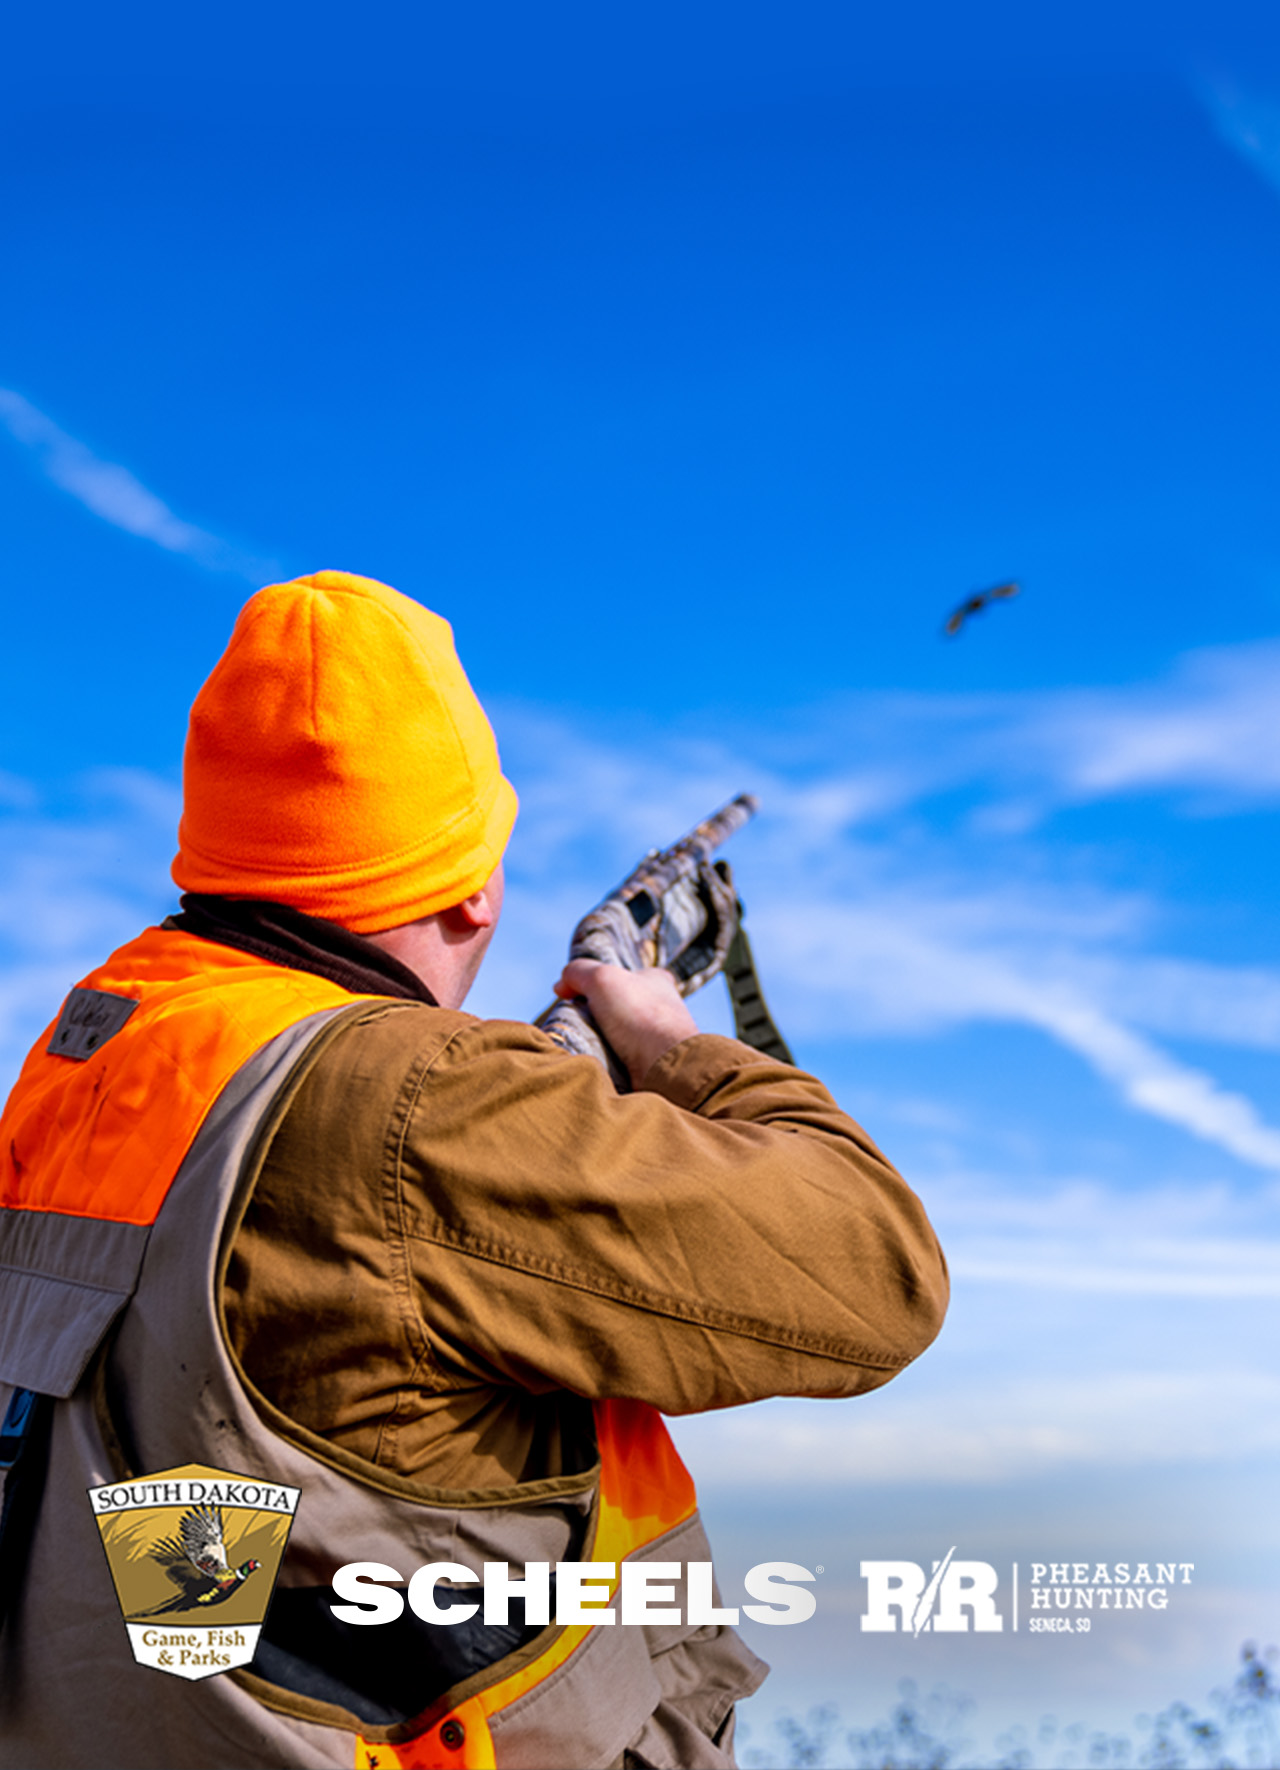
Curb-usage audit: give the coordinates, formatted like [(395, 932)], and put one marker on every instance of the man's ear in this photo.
[(476, 911)]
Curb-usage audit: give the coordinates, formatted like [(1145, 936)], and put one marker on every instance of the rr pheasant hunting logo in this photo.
[(194, 1554)]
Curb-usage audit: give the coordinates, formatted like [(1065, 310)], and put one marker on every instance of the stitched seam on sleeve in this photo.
[(408, 1102), (395, 1214), (744, 1327)]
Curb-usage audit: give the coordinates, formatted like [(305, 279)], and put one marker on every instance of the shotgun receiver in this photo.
[(679, 910)]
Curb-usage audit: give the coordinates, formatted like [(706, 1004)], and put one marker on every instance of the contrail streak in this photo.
[(113, 493)]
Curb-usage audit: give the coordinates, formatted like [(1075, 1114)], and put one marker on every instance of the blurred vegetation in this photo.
[(1239, 1730)]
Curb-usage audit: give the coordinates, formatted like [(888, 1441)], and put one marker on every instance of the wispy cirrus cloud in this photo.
[(900, 962), (1207, 729), (1012, 1429), (81, 876), (1204, 734), (1247, 122), (116, 495), (876, 914), (1197, 1244)]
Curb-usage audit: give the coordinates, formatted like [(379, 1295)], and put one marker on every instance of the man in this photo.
[(277, 1205)]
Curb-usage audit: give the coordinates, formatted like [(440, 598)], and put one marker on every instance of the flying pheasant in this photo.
[(975, 604), (196, 1561)]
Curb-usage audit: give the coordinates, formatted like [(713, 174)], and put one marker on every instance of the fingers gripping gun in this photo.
[(678, 909)]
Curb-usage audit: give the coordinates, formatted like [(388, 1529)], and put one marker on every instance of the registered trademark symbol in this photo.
[(819, 1568)]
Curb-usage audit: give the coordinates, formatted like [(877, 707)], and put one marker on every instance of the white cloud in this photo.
[(1245, 1276), (15, 794), (1154, 1082), (1236, 1005), (1210, 727), (113, 493), (867, 917), (1004, 1430), (78, 880), (877, 966), (1173, 1242), (1204, 733), (1248, 123)]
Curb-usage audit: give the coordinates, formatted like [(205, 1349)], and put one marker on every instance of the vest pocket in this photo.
[(383, 1674)]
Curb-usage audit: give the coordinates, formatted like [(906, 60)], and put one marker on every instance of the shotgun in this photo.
[(677, 909)]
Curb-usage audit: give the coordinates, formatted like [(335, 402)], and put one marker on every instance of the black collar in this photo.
[(305, 943)]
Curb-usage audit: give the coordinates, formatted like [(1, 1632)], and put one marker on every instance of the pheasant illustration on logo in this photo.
[(197, 1562), (189, 1545)]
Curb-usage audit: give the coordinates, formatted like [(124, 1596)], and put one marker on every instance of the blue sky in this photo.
[(695, 365)]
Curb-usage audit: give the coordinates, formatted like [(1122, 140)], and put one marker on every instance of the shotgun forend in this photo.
[(675, 910)]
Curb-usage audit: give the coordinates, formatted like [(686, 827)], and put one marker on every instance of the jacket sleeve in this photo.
[(722, 1235)]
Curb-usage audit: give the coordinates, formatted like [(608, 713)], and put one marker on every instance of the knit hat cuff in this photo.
[(368, 896)]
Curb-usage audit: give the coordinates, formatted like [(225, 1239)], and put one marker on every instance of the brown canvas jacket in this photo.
[(461, 1237)]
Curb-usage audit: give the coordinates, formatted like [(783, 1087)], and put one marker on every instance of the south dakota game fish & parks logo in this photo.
[(194, 1553)]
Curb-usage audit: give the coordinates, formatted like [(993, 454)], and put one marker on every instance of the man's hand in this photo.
[(640, 1012)]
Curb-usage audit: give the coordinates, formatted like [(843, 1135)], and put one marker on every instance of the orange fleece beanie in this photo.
[(338, 761)]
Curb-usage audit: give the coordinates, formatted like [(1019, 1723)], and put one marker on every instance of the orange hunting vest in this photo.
[(139, 1118)]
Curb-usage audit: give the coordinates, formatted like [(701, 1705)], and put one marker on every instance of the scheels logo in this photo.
[(594, 1593)]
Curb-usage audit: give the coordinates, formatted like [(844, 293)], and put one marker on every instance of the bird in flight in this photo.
[(196, 1562), (975, 604)]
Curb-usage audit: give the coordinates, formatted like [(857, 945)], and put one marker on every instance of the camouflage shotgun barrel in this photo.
[(677, 910)]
